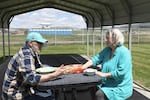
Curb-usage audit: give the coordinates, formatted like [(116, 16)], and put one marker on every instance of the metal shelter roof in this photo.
[(95, 12)]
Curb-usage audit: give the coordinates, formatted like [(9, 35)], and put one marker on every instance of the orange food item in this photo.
[(77, 69), (68, 69), (73, 69)]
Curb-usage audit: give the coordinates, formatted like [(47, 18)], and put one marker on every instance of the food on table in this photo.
[(89, 71), (68, 69), (73, 69)]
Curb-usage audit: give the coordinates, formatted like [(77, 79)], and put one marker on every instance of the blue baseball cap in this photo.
[(35, 36)]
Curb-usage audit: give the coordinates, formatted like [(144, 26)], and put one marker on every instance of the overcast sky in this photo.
[(54, 17)]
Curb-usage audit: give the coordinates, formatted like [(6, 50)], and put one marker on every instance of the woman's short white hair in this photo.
[(116, 36)]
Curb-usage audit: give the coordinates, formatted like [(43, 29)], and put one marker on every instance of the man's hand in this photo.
[(59, 70)]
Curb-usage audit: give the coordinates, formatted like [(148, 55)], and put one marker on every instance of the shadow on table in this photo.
[(58, 59)]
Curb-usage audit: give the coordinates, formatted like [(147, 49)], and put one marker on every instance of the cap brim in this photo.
[(42, 41)]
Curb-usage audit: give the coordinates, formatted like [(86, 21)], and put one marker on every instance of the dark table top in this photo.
[(71, 80), (58, 59)]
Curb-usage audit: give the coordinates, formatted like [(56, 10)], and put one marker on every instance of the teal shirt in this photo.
[(120, 85)]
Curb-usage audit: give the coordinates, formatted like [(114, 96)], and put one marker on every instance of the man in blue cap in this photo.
[(36, 41), (20, 77)]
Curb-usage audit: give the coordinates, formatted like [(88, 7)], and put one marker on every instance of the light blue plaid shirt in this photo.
[(19, 75)]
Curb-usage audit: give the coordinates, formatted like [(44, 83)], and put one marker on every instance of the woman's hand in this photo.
[(101, 74)]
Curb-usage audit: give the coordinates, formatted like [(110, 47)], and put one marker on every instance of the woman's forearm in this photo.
[(103, 74), (87, 64)]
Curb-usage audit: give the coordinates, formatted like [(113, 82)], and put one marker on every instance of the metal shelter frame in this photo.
[(97, 13)]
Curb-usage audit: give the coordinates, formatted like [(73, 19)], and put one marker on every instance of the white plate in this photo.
[(45, 70), (89, 71)]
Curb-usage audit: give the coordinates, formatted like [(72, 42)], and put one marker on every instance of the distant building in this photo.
[(52, 31)]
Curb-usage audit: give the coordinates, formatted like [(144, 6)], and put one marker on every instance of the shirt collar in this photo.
[(28, 47), (115, 52)]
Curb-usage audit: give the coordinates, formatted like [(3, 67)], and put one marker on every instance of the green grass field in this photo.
[(141, 64), (140, 55), (140, 52)]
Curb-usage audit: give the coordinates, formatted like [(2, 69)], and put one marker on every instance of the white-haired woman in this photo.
[(116, 69)]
